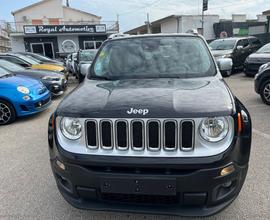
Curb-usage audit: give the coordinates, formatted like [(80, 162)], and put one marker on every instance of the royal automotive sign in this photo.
[(64, 29)]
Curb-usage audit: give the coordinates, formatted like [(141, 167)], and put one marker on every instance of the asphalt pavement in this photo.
[(28, 189)]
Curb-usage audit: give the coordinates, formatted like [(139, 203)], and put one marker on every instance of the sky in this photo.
[(132, 13)]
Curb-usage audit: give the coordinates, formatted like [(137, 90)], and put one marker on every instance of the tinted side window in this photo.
[(14, 60), (244, 43), (255, 42)]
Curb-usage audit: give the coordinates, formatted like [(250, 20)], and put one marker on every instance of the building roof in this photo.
[(267, 12), (84, 12), (41, 2), (29, 6), (162, 20)]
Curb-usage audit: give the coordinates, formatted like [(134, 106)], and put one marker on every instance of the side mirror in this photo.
[(239, 47), (225, 64)]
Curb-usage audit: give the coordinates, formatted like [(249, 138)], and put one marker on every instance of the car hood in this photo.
[(265, 57), (39, 73), (218, 53), (164, 98), (17, 80), (52, 67)]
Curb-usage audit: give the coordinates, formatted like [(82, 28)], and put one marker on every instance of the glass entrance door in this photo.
[(48, 50), (45, 49)]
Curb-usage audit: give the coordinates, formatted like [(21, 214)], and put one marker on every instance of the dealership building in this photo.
[(50, 28)]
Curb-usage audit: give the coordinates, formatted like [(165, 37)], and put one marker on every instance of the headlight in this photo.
[(262, 67), (50, 78), (23, 90), (214, 129), (71, 128)]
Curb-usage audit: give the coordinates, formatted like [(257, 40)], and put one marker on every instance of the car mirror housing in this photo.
[(225, 64)]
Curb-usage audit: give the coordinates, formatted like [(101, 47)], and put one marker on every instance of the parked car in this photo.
[(153, 128), (28, 62), (83, 62), (236, 48), (41, 58), (56, 82), (262, 83), (21, 96), (256, 60)]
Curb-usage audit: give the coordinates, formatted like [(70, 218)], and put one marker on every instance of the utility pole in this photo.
[(204, 8), (117, 24), (148, 24)]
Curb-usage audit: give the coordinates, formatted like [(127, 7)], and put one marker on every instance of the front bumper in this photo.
[(252, 68), (197, 193), (57, 88), (35, 105), (198, 188)]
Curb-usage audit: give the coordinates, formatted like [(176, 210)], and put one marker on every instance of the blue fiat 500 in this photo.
[(21, 96)]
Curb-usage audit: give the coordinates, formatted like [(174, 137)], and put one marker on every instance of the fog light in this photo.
[(26, 97), (60, 165), (227, 184), (227, 170)]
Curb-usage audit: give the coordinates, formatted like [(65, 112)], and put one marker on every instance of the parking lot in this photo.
[(28, 189)]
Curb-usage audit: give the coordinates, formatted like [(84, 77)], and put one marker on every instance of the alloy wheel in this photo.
[(266, 92), (5, 113)]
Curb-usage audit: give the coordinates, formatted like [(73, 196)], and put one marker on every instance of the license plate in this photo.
[(143, 186)]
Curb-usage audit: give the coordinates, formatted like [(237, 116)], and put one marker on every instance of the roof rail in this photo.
[(112, 36)]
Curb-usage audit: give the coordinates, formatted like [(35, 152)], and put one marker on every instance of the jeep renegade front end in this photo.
[(153, 129)]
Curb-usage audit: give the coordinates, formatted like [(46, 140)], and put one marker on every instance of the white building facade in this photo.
[(181, 24)]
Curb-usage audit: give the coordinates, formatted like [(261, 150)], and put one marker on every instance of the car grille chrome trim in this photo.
[(148, 136), (133, 146), (136, 135), (181, 135), (102, 131), (176, 142), (201, 147), (117, 145), (92, 146)]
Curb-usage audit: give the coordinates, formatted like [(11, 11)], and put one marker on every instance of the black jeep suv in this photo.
[(153, 128)]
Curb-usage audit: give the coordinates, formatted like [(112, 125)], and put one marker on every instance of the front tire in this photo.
[(7, 113), (265, 92)]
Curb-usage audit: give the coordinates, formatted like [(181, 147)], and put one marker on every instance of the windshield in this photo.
[(10, 66), (87, 55), (154, 57), (28, 59), (264, 49), (3, 72), (222, 44), (39, 57)]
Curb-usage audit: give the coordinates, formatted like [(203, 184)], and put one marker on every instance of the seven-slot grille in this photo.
[(140, 135)]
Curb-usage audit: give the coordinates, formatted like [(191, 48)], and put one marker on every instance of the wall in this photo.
[(194, 22), (169, 26), (48, 9), (17, 44), (74, 15)]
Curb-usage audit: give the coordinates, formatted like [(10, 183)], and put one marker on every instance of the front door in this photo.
[(45, 49), (48, 50)]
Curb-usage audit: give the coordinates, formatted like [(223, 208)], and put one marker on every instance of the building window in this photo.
[(54, 21), (88, 45), (37, 21)]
